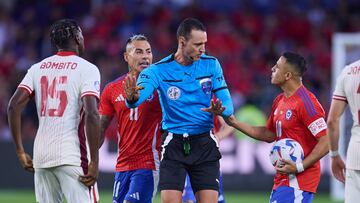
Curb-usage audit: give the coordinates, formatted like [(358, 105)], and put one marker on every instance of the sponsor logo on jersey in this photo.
[(317, 126), (142, 75), (173, 93), (206, 85), (288, 114), (220, 78), (135, 195), (120, 98), (97, 85)]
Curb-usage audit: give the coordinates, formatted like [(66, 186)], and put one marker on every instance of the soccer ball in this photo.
[(287, 149)]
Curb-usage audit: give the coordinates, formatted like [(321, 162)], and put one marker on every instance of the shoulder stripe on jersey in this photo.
[(307, 102), (27, 88), (220, 88), (166, 61), (208, 76), (172, 80), (90, 93)]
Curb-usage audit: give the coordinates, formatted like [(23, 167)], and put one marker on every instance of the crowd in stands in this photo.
[(247, 36)]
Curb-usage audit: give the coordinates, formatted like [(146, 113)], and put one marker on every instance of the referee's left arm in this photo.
[(224, 96)]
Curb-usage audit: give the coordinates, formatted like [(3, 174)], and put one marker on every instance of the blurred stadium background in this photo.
[(247, 36)]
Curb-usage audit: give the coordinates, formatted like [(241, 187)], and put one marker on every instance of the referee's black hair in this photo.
[(62, 32), (296, 61), (187, 25)]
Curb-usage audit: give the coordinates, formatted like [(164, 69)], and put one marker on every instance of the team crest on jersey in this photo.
[(97, 86), (288, 114), (206, 85), (173, 93), (150, 98)]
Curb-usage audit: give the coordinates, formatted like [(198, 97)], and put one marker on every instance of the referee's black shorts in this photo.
[(202, 164)]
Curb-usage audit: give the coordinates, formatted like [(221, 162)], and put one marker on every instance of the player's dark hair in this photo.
[(187, 25), (138, 37), (296, 61), (62, 32)]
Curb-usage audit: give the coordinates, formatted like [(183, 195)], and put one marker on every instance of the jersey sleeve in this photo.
[(90, 82), (339, 92), (149, 81), (313, 116), (27, 82), (106, 107), (221, 91), (218, 78)]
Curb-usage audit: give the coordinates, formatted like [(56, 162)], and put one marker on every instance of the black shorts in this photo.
[(202, 164)]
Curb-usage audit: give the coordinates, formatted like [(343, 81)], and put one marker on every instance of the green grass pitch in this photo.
[(28, 196)]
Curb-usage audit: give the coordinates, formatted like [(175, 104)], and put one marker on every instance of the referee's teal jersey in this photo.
[(183, 91)]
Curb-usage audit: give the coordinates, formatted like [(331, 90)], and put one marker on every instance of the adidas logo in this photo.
[(119, 98), (135, 196)]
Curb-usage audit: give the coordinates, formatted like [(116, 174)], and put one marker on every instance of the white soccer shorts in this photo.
[(352, 186), (53, 184)]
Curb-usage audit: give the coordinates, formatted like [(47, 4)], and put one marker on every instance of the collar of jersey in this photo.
[(65, 53)]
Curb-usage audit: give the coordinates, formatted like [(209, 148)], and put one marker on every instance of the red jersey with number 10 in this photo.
[(138, 128), (299, 117)]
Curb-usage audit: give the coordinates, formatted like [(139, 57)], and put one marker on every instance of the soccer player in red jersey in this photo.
[(137, 166), (296, 114)]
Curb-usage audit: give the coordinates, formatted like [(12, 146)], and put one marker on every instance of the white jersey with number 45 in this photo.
[(348, 89), (58, 84)]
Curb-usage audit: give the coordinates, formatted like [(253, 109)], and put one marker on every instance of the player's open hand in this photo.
[(90, 178), (288, 167), (215, 107), (26, 161), (338, 168), (132, 92)]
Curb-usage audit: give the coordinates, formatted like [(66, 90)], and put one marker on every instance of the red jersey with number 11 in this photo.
[(299, 117), (138, 128)]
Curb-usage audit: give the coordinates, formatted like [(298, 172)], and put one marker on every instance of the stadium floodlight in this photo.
[(345, 50)]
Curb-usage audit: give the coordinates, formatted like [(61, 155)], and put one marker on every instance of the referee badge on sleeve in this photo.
[(206, 85)]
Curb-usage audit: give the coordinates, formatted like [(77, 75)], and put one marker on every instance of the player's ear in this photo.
[(126, 56), (288, 75), (182, 41)]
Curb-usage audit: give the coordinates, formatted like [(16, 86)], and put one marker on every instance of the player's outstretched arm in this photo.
[(16, 105), (257, 132), (337, 108), (92, 128), (225, 130)]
